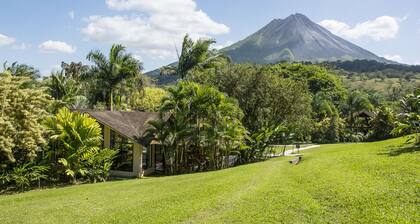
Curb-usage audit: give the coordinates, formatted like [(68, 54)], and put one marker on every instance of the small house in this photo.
[(124, 130)]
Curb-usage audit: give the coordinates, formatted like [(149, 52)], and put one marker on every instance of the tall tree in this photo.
[(16, 69), (74, 70), (111, 71), (195, 54), (67, 91), (266, 99), (357, 101)]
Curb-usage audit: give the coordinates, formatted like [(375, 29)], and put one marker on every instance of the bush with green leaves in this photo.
[(258, 144), (149, 100), (75, 147), (22, 177), (21, 111), (409, 120), (329, 130), (382, 124)]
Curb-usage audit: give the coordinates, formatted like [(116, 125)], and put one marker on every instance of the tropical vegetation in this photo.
[(199, 128), (214, 115)]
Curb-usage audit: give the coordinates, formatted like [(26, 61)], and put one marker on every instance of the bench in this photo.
[(296, 160)]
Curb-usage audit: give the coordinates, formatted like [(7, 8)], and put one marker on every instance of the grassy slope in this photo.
[(347, 183)]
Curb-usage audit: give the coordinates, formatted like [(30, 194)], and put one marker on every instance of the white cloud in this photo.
[(71, 14), (381, 28), (400, 59), (138, 57), (220, 46), (51, 46), (21, 46), (6, 40), (155, 28), (394, 57)]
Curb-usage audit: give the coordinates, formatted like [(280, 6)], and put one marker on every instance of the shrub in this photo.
[(21, 110), (22, 177), (329, 130), (150, 100), (76, 147), (409, 121), (382, 124)]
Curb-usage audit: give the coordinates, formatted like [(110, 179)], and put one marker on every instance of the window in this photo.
[(124, 158), (145, 157)]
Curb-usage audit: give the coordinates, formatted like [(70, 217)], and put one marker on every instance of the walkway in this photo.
[(291, 152)]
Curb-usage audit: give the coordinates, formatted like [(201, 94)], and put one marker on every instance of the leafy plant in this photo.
[(382, 124), (409, 120), (76, 142), (23, 176), (259, 142)]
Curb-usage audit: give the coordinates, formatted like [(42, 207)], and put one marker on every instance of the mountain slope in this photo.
[(295, 38)]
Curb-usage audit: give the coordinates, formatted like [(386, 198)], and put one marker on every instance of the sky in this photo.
[(45, 33)]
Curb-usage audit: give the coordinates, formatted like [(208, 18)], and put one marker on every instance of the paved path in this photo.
[(290, 151)]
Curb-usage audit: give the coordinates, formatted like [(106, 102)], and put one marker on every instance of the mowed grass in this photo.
[(342, 183)]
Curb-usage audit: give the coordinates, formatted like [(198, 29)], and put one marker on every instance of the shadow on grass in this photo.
[(398, 150)]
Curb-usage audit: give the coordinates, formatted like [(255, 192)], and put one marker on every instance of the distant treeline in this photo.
[(370, 66)]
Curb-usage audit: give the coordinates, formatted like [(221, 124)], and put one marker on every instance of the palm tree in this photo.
[(358, 101), (66, 90), (193, 55), (323, 106), (204, 127), (411, 102), (409, 120), (74, 70), (16, 69), (111, 71)]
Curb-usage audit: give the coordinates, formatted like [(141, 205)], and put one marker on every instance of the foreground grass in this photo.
[(343, 183)]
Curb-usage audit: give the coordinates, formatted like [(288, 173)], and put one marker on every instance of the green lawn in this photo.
[(343, 183)]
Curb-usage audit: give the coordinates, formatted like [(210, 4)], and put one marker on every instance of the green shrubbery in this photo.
[(31, 154), (76, 141), (22, 109), (409, 119), (204, 127)]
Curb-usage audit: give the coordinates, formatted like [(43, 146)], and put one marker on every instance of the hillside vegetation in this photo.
[(340, 183)]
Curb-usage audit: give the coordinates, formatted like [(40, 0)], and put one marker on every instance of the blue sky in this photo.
[(44, 33)]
